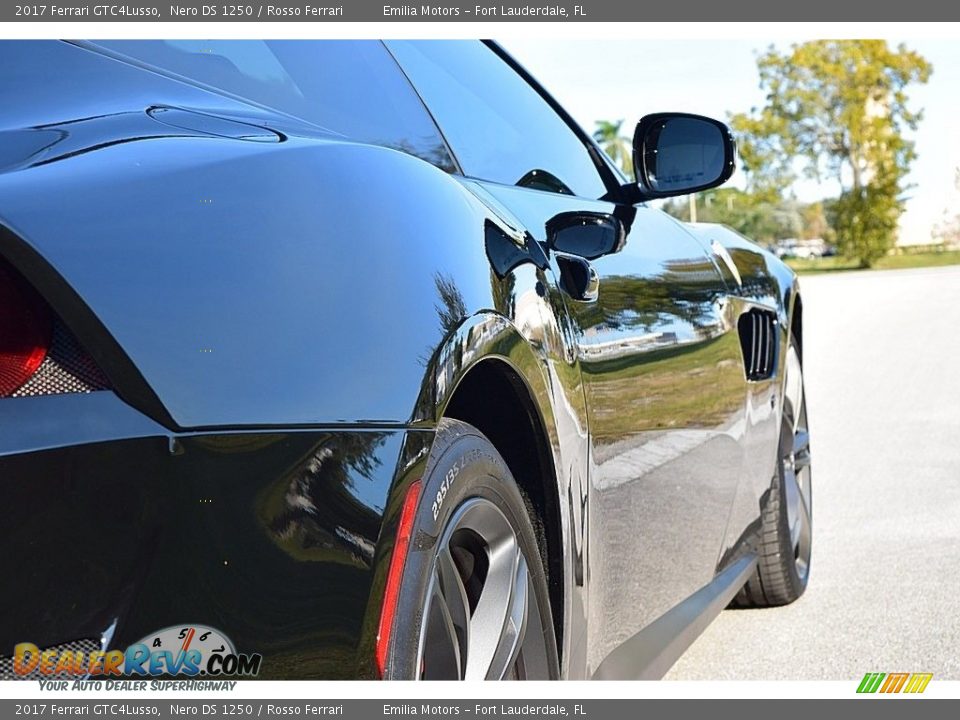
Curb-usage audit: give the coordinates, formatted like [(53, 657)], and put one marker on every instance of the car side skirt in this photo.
[(650, 653)]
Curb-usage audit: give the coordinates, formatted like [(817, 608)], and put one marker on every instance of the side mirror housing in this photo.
[(678, 153), (589, 235)]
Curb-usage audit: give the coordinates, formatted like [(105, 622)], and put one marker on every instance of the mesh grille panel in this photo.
[(86, 645), (66, 369)]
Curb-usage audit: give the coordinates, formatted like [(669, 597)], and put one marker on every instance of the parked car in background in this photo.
[(807, 249)]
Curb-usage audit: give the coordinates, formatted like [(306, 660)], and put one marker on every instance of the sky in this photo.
[(614, 79)]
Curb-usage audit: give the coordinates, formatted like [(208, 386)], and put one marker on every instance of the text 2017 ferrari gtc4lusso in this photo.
[(365, 356)]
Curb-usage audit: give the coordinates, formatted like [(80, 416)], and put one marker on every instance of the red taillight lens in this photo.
[(25, 329), (395, 574)]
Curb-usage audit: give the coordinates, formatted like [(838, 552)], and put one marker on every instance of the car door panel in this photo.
[(654, 361), (664, 388), (661, 363)]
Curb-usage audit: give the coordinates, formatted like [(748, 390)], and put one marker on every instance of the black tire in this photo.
[(465, 481), (783, 570)]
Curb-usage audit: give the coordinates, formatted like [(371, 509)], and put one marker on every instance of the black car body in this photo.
[(260, 315)]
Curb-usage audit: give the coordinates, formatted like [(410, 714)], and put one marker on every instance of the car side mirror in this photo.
[(586, 234), (677, 153)]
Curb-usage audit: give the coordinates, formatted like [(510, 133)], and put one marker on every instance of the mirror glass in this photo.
[(683, 153)]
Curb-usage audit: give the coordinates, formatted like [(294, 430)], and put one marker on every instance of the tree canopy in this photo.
[(840, 108), (618, 148), (834, 109)]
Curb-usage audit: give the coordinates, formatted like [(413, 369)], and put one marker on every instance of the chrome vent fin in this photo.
[(758, 340)]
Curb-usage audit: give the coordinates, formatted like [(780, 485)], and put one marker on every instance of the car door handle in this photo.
[(578, 278)]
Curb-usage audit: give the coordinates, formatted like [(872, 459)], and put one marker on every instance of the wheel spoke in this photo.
[(801, 543), (457, 604), (798, 406), (515, 626), (801, 455), (798, 506), (794, 503), (444, 650), (804, 504), (801, 449), (493, 610), (793, 389)]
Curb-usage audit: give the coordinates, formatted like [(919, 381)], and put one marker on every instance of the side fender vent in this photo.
[(758, 340)]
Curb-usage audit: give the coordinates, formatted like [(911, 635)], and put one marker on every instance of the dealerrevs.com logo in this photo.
[(186, 650)]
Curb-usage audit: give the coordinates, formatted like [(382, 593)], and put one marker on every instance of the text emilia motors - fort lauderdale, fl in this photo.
[(266, 11), (485, 11)]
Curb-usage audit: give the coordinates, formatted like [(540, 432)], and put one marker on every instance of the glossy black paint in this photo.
[(270, 534), (285, 314)]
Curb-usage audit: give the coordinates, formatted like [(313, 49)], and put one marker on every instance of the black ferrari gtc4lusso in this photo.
[(366, 356)]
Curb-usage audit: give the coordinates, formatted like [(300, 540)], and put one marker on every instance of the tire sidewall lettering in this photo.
[(450, 477)]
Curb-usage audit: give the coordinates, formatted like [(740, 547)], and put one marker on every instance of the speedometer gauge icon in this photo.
[(183, 638)]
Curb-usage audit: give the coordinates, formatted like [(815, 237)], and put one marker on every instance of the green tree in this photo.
[(615, 145), (839, 106), (815, 222), (755, 215), (765, 164)]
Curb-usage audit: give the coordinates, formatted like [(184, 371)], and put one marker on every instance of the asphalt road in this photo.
[(882, 369)]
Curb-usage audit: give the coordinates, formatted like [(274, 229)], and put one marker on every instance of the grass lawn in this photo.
[(890, 262)]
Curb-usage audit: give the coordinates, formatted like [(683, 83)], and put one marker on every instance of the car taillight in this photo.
[(26, 326)]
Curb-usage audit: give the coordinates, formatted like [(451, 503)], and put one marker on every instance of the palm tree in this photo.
[(615, 145)]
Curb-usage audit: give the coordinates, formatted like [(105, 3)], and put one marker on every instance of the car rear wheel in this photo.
[(474, 600), (787, 522)]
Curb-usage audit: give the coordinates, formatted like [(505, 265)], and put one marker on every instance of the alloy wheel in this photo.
[(795, 463), (481, 619)]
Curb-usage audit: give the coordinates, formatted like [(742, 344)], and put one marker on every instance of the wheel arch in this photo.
[(796, 320), (500, 389)]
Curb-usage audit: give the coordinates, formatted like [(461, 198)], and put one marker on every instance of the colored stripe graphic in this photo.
[(894, 682), (918, 682), (870, 682)]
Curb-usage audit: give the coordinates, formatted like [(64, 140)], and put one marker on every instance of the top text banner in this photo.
[(469, 11)]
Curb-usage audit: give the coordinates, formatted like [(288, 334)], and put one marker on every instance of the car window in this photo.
[(354, 88), (497, 125)]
